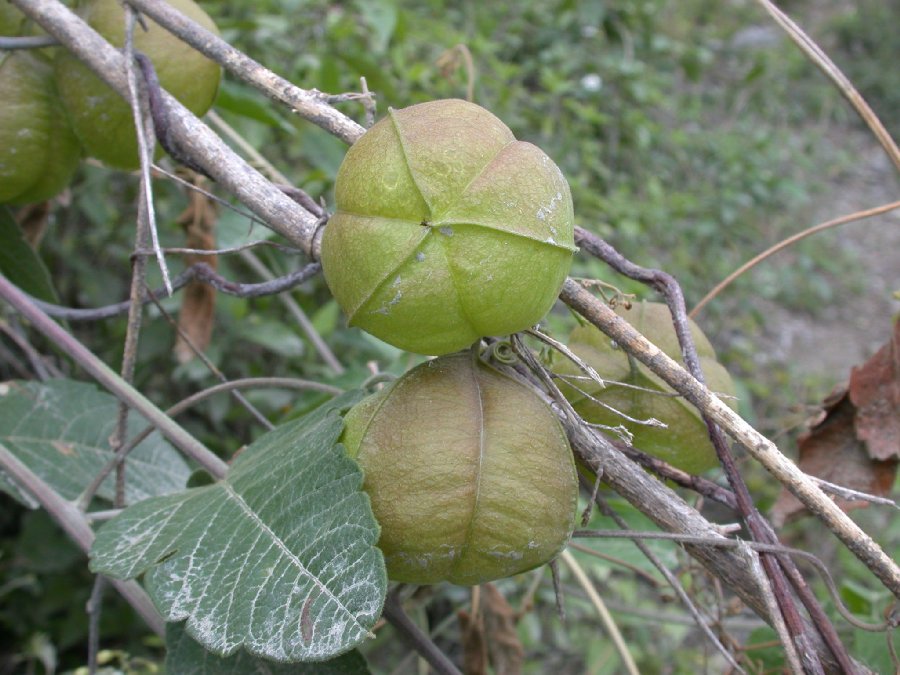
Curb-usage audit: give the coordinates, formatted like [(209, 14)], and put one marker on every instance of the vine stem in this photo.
[(760, 447), (107, 377), (201, 272), (76, 526)]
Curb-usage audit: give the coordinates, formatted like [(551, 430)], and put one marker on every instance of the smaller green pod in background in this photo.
[(684, 443), (101, 118), (38, 151)]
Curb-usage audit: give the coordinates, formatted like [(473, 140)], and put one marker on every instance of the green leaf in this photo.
[(272, 335), (61, 429), (242, 100), (20, 263), (187, 657), (234, 229), (381, 17), (278, 558), (323, 151)]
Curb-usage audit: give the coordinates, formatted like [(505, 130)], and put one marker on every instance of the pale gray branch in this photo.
[(760, 447), (76, 526), (310, 105), (672, 514), (194, 138)]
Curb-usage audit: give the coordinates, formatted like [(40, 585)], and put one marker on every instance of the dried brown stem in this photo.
[(761, 448), (700, 485), (196, 272), (759, 529), (826, 65), (793, 239), (606, 618)]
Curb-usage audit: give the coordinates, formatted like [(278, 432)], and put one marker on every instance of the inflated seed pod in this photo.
[(38, 151), (101, 118), (469, 472), (684, 442), (447, 229)]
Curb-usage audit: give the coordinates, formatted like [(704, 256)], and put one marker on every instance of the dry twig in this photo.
[(784, 243), (608, 622), (776, 571), (826, 65), (761, 448), (311, 105)]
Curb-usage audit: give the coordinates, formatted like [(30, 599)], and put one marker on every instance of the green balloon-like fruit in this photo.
[(447, 229), (38, 151), (101, 118), (685, 442), (469, 472)]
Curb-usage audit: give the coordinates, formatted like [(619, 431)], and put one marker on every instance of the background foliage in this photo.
[(690, 132)]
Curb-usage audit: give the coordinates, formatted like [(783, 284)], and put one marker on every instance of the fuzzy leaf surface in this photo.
[(188, 657), (61, 430), (278, 558)]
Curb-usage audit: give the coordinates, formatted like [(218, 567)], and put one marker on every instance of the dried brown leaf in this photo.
[(855, 440), (875, 391), (33, 219), (504, 647), (198, 306), (475, 656)]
